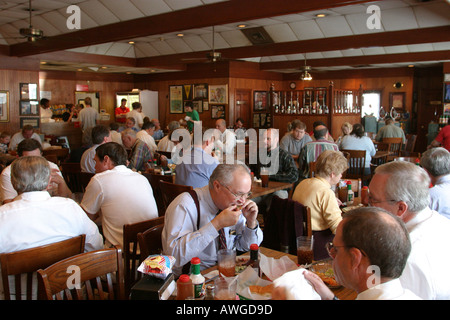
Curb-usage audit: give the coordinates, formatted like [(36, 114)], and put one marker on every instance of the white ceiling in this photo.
[(50, 16)]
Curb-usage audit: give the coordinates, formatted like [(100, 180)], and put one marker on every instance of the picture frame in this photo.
[(205, 105), (4, 106), (28, 91), (397, 100), (176, 99), (29, 108), (218, 111), (34, 122), (218, 94), (446, 92), (260, 101), (197, 105), (200, 91)]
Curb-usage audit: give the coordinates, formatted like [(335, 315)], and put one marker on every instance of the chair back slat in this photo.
[(150, 241), (22, 265)]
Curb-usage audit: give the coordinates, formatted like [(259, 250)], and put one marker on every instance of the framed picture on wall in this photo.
[(447, 92), (397, 100), (176, 99), (29, 108), (218, 93), (200, 91), (198, 105), (205, 105), (4, 106), (217, 111), (28, 91), (260, 101), (34, 122)]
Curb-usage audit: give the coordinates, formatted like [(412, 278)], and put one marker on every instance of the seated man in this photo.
[(223, 205), (402, 188), (294, 141), (227, 139), (312, 150), (26, 133), (158, 134), (140, 152), (121, 195), (146, 135), (390, 130), (196, 167), (436, 162), (129, 123), (100, 134), (367, 239), (30, 147), (36, 218), (166, 144)]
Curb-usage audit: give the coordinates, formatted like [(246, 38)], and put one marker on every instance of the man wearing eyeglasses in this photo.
[(224, 205), (402, 188), (369, 253)]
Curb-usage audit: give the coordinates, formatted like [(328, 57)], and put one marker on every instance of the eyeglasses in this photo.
[(238, 196), (332, 251), (371, 201)]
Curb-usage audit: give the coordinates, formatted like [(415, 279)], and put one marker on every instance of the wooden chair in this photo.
[(22, 265), (170, 191), (395, 147), (167, 154), (356, 165), (61, 154), (131, 254), (284, 222), (94, 270), (76, 180), (410, 143), (154, 182), (150, 241), (312, 169)]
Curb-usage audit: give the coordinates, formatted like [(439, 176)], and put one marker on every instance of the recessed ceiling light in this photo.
[(321, 15), (241, 25), (180, 35), (130, 42), (410, 66)]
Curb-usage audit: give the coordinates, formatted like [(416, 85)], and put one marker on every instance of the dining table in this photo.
[(258, 190), (341, 292)]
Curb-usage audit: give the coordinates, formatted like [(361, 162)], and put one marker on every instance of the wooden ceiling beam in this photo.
[(359, 60), (196, 17), (376, 39)]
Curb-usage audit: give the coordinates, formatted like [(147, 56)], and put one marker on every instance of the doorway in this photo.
[(371, 103), (242, 106)]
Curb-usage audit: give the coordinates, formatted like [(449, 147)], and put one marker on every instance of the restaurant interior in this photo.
[(267, 62)]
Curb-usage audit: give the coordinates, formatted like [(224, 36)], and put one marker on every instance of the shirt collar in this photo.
[(204, 195), (34, 196)]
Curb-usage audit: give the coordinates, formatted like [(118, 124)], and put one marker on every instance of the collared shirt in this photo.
[(165, 144), (352, 142), (316, 194), (46, 114), (18, 137), (138, 118), (440, 196), (182, 240), (195, 168), (390, 131), (123, 196), (87, 162), (88, 117), (35, 219), (148, 139), (292, 145), (443, 137), (194, 117), (119, 111), (424, 273), (226, 142), (310, 152), (140, 154), (158, 134), (390, 290)]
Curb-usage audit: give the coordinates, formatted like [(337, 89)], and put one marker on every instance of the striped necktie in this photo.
[(222, 239)]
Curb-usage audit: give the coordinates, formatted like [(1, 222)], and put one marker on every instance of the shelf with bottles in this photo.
[(346, 102), (309, 101)]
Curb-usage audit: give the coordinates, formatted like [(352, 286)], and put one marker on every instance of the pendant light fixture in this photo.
[(305, 74)]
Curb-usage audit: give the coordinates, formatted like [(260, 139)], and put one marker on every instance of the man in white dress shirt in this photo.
[(369, 253), (402, 188), (223, 205), (36, 218), (100, 134), (146, 135), (122, 195), (30, 147), (436, 161), (137, 114), (26, 133), (46, 111), (227, 138)]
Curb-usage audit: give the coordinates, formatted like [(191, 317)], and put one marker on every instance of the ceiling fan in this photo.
[(30, 33), (212, 56), (305, 75)]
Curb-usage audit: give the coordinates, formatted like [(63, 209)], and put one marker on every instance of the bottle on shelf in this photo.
[(254, 259), (198, 280)]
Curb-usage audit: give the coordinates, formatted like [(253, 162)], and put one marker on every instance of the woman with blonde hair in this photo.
[(316, 193), (346, 130)]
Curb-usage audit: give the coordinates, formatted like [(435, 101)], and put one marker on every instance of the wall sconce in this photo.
[(398, 85)]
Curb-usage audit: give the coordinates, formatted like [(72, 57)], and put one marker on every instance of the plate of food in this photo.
[(324, 270)]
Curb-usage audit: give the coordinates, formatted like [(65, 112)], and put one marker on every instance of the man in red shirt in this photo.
[(443, 138), (121, 112)]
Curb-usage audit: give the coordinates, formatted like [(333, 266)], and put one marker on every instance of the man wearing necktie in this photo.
[(225, 209)]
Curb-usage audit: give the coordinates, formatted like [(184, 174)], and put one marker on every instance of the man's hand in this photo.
[(321, 288), (226, 218), (250, 212)]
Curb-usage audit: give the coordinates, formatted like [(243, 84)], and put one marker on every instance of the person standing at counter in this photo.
[(121, 111), (89, 116), (46, 112)]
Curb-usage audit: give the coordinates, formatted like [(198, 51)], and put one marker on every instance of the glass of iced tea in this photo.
[(226, 260), (305, 252), (225, 289)]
